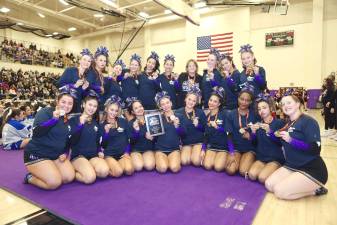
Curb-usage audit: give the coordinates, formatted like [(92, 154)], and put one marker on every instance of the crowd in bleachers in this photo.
[(27, 85), (14, 51)]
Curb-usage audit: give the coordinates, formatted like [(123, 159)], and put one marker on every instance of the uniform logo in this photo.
[(291, 129), (120, 129), (219, 122), (95, 128)]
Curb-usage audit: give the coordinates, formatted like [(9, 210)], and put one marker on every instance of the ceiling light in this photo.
[(144, 14), (98, 15), (20, 24), (41, 15), (55, 33), (64, 2), (167, 11), (4, 10), (49, 35), (72, 29), (199, 5), (111, 3)]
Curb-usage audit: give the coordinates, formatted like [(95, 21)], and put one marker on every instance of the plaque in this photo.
[(154, 124)]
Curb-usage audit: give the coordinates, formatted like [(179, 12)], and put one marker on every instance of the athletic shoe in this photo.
[(27, 178), (321, 191)]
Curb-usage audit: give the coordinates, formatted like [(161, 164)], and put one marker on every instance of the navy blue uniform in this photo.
[(94, 81), (194, 135), (268, 147), (89, 134), (69, 77), (303, 152), (116, 142), (111, 87), (170, 141), (240, 144), (170, 86), (50, 136), (258, 81), (184, 87), (147, 91), (139, 143), (231, 87), (207, 86), (129, 87), (216, 139)]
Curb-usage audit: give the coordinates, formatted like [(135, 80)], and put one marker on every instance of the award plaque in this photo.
[(154, 124)]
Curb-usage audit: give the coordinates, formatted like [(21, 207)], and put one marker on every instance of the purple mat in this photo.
[(193, 197)]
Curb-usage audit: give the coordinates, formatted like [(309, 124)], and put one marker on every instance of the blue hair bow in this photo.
[(215, 52), (169, 57), (135, 57), (121, 63), (102, 51), (245, 48), (160, 95), (114, 99), (86, 51), (130, 100), (154, 55), (68, 89), (220, 92)]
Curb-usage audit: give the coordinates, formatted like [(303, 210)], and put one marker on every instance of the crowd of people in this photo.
[(220, 119), (11, 50), (329, 102), (27, 85)]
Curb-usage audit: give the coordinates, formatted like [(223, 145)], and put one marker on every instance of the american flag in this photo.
[(222, 42)]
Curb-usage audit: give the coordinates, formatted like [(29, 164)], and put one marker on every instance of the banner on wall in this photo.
[(222, 42), (285, 38)]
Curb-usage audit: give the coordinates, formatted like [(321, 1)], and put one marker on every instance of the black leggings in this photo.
[(329, 119)]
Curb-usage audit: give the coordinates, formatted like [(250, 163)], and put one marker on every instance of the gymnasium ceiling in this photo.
[(59, 17)]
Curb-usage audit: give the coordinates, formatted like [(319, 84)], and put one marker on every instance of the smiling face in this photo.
[(290, 106), (168, 66), (211, 61), (247, 59), (263, 109), (191, 100), (85, 61), (214, 102), (150, 65), (134, 66), (112, 111), (165, 104), (137, 109), (90, 107), (226, 65), (191, 68), (65, 103)]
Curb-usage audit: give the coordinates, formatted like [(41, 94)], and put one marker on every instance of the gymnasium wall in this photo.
[(306, 63)]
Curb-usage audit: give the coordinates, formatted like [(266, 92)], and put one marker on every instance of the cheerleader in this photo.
[(195, 123), (269, 156), (239, 121), (218, 144), (95, 74), (111, 86), (86, 155), (188, 80), (168, 81), (45, 156), (252, 74), (328, 102), (167, 145), (211, 76), (142, 145), (15, 135), (129, 78), (115, 141), (28, 119), (148, 84), (76, 76), (304, 172), (230, 81)]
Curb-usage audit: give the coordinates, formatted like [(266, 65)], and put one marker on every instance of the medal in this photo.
[(242, 130)]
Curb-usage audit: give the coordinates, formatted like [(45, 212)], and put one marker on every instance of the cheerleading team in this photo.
[(221, 120)]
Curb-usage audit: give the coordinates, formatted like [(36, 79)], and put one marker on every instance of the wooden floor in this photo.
[(309, 211)]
